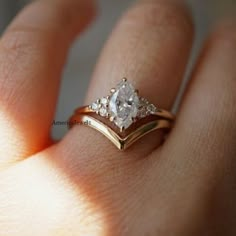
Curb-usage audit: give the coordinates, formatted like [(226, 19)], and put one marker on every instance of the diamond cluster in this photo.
[(146, 108), (101, 107), (123, 106)]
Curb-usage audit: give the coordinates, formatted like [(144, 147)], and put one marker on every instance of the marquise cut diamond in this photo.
[(123, 106)]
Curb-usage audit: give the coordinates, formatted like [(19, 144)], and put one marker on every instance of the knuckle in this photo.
[(18, 45), (18, 49), (164, 14), (20, 39)]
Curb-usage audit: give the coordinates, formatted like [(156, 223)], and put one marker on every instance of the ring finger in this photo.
[(150, 46)]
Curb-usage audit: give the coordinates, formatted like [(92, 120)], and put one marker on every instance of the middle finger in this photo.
[(150, 46)]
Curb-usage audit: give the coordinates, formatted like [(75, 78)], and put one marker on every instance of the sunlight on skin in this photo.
[(8, 129), (20, 147), (39, 198), (33, 51)]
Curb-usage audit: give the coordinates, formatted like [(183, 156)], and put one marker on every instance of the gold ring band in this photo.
[(121, 143), (123, 117), (161, 113)]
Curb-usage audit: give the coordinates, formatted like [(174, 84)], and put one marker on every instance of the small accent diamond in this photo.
[(103, 111), (95, 106), (142, 108), (151, 109), (104, 101)]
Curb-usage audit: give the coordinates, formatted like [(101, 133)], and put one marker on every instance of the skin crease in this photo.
[(187, 186)]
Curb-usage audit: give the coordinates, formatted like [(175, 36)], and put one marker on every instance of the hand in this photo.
[(83, 185)]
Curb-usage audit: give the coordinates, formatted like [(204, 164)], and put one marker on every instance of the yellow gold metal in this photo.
[(111, 118), (161, 113), (116, 139)]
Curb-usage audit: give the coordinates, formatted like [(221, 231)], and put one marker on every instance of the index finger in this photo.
[(32, 54)]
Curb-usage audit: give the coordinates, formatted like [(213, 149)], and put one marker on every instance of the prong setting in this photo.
[(113, 90), (122, 129), (111, 118)]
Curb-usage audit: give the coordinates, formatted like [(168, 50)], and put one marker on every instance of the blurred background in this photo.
[(79, 68)]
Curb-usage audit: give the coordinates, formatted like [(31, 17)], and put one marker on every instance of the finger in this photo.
[(207, 115), (145, 47), (32, 53), (202, 147), (44, 199)]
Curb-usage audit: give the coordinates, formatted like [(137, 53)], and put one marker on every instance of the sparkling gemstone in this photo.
[(95, 106), (103, 111), (124, 105), (151, 108), (142, 112), (104, 101), (142, 108)]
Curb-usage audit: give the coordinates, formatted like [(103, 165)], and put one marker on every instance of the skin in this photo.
[(187, 186)]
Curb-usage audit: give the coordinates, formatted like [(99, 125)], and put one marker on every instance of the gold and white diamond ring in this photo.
[(123, 116)]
